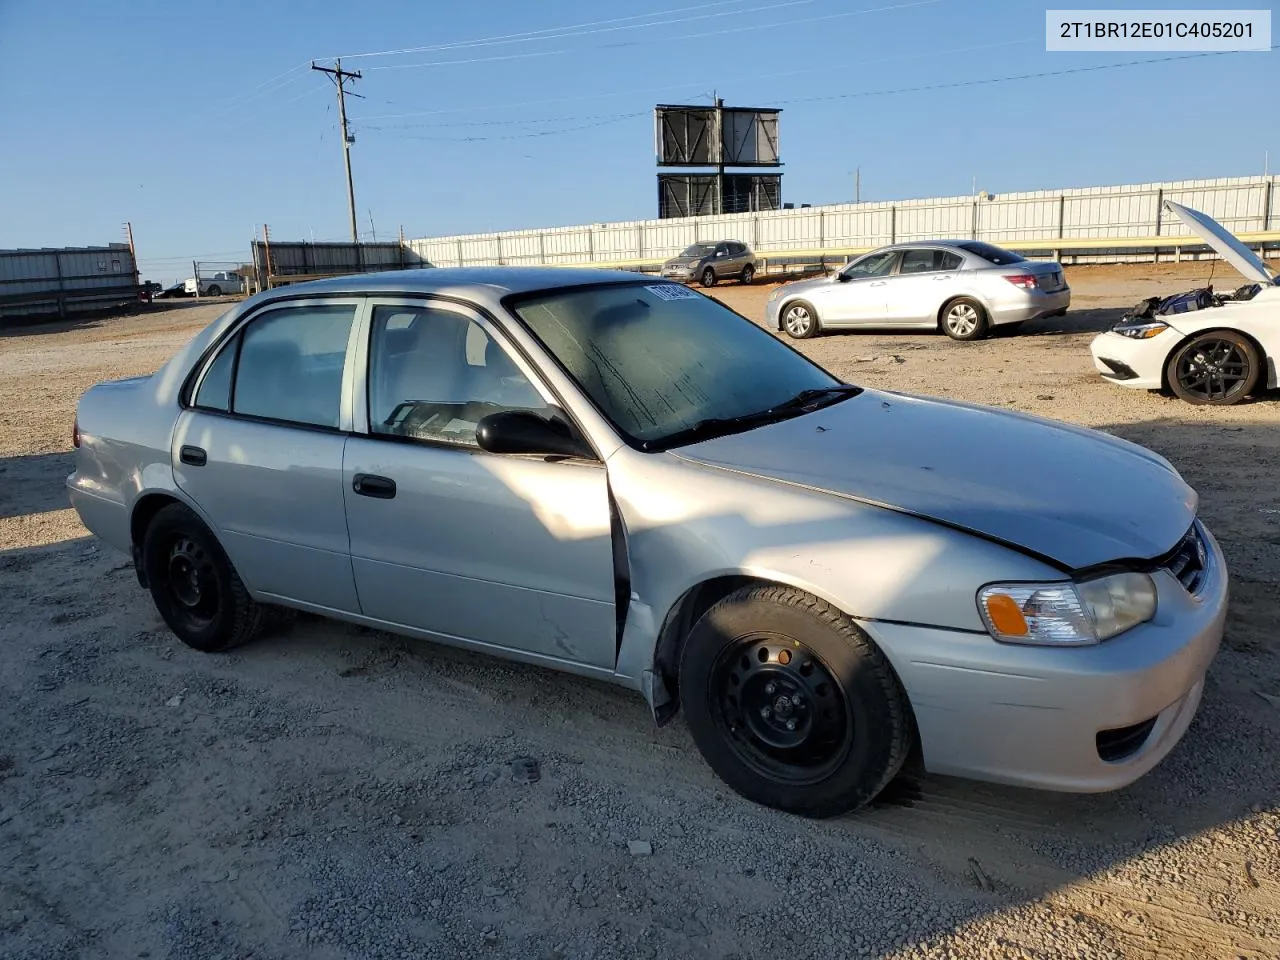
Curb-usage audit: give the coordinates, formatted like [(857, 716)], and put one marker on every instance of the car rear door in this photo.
[(924, 280), (506, 551), (259, 450)]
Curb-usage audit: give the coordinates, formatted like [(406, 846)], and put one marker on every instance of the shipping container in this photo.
[(66, 280)]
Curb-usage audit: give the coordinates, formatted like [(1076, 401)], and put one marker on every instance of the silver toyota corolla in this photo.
[(622, 478), (965, 288)]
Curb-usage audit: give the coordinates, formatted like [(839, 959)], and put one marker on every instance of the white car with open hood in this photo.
[(1207, 347)]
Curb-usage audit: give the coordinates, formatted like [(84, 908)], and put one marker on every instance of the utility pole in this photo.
[(339, 78), (857, 185), (719, 148)]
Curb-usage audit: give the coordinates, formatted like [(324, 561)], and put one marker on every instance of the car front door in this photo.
[(259, 450), (505, 551), (861, 297), (920, 285), (721, 261)]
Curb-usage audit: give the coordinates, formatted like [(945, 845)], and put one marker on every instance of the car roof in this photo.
[(499, 281)]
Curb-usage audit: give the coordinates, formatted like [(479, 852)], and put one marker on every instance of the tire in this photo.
[(832, 748), (1217, 368), (748, 273), (214, 291), (709, 277), (195, 589), (963, 319), (800, 320)]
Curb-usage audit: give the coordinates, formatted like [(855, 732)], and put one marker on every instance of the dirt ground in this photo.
[(334, 792)]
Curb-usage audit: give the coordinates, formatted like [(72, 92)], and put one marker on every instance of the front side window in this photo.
[(434, 374), (872, 265), (284, 365), (656, 359), (698, 250)]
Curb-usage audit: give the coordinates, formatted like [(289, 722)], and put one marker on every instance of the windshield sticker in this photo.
[(672, 291)]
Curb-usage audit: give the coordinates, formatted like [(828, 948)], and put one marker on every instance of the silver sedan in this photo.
[(621, 478), (965, 288)]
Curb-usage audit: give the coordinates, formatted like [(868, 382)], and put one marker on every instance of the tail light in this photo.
[(1027, 281), (75, 433)]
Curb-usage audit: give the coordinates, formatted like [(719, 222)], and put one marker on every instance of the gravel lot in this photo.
[(335, 792)]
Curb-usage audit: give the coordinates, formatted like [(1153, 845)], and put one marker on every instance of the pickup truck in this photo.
[(215, 285)]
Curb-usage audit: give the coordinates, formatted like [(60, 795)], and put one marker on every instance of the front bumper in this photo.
[(1033, 716), (1133, 363)]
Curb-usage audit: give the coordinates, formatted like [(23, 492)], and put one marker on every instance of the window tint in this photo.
[(656, 359), (872, 265), (434, 374), (291, 365), (918, 261), (926, 261), (215, 388), (990, 253)]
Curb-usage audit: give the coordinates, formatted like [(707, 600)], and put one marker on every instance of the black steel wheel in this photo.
[(791, 703), (1217, 368), (194, 587), (709, 277)]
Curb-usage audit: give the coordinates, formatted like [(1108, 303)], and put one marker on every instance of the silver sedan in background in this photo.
[(963, 287), (621, 478)]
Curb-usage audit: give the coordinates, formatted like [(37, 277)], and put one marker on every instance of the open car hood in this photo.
[(1226, 244)]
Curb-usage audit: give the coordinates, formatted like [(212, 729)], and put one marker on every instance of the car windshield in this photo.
[(659, 360), (992, 254), (699, 250)]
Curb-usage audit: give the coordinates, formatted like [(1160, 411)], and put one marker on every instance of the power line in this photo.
[(584, 29), (516, 136), (339, 78)]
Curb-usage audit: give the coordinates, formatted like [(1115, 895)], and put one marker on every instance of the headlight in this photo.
[(776, 292), (1144, 330), (1066, 613)]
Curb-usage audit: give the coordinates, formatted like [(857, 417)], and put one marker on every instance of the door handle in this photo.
[(876, 283), (947, 277), (195, 456), (367, 485)]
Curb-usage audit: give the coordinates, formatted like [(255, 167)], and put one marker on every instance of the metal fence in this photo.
[(277, 263), (1110, 223), (64, 280)]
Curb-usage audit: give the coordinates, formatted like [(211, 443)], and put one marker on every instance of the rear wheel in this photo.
[(791, 704), (214, 291), (1217, 368), (195, 588), (748, 273), (800, 320), (964, 319), (709, 277)]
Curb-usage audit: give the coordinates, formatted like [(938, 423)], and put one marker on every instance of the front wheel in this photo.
[(791, 704), (800, 320), (709, 277), (964, 319), (196, 590), (1217, 368)]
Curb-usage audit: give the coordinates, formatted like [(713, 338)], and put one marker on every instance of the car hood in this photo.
[(1226, 244), (683, 261), (1075, 496), (795, 287)]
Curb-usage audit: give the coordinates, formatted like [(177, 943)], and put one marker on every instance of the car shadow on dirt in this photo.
[(34, 484), (340, 774)]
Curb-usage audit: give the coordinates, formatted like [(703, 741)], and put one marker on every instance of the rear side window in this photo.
[(215, 388), (949, 261), (291, 363), (990, 253)]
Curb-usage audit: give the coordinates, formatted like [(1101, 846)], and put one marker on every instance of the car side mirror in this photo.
[(522, 431), (841, 277)]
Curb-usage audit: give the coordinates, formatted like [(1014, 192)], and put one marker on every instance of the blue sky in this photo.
[(200, 122)]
